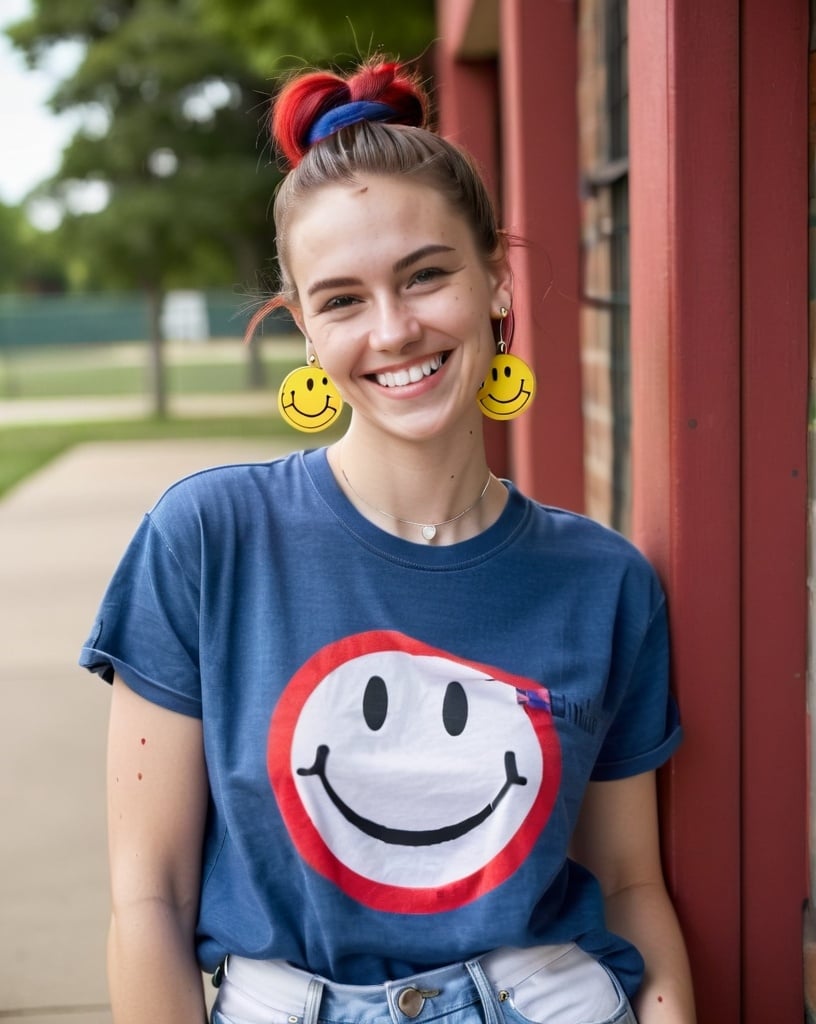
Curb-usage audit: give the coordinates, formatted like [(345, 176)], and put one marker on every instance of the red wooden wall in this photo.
[(719, 215), (718, 109)]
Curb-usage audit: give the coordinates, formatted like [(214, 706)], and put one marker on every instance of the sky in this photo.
[(33, 137)]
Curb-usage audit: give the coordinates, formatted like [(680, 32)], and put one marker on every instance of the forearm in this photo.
[(152, 971), (645, 916)]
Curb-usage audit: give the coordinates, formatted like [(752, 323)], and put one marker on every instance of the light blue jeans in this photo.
[(545, 985)]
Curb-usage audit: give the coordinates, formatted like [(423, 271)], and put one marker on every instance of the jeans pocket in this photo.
[(573, 989)]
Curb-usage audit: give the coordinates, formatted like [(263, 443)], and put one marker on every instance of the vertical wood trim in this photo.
[(684, 160), (774, 502), (467, 109), (541, 206)]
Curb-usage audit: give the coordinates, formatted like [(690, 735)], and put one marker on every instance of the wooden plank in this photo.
[(541, 207), (684, 158), (774, 497), (467, 108)]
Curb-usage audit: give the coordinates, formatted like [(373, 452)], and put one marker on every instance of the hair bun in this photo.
[(379, 90)]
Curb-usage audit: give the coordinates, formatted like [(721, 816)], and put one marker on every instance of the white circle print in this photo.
[(401, 768)]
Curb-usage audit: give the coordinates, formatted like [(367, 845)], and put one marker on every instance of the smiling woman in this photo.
[(403, 721)]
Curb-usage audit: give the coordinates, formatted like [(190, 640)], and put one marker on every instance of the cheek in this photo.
[(339, 351), (482, 331)]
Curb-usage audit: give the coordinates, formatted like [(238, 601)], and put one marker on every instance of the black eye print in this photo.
[(455, 709), (375, 703), (507, 371), (495, 373), (309, 383), (325, 381)]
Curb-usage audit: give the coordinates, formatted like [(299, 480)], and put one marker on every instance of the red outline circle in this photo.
[(312, 846)]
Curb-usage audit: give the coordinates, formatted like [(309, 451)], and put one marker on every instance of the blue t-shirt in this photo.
[(398, 735)]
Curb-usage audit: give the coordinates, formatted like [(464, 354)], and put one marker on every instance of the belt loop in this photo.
[(314, 994), (485, 990)]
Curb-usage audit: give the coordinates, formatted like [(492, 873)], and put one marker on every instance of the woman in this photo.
[(384, 731)]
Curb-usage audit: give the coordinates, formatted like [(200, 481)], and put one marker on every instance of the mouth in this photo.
[(410, 837), (411, 374)]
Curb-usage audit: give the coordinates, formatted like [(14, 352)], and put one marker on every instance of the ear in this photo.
[(297, 315), (501, 278)]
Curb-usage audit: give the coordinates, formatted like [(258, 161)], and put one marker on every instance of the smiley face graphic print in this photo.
[(412, 779)]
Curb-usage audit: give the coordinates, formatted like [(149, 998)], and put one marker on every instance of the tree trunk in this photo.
[(247, 259)]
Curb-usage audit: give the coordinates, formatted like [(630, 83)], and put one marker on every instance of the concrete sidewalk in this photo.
[(61, 533), (130, 407)]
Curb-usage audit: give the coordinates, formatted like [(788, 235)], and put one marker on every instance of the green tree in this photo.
[(278, 35), (11, 246), (30, 260), (170, 141), (174, 93)]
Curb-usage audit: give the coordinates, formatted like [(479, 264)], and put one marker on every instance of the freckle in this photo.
[(139, 776), (660, 999), (143, 741)]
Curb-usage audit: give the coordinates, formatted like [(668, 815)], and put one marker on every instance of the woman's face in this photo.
[(397, 302)]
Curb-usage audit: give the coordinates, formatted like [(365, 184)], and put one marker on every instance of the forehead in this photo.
[(373, 209)]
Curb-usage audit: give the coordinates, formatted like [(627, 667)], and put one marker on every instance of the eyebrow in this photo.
[(419, 254), (401, 264)]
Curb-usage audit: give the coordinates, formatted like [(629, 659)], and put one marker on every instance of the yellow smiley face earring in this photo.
[(308, 399), (510, 384)]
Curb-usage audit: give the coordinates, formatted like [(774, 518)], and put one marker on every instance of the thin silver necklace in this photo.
[(428, 530)]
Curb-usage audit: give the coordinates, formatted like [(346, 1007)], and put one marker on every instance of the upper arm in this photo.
[(616, 837), (157, 802)]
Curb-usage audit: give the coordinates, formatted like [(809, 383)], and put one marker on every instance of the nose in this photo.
[(395, 325)]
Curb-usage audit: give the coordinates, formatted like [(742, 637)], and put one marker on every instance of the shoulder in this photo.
[(589, 558), (219, 489), (241, 501), (576, 535)]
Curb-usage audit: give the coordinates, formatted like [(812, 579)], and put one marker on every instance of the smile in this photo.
[(309, 415), (410, 374), (521, 393), (411, 837)]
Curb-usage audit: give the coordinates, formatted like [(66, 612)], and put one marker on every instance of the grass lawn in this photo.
[(25, 449), (105, 370), (121, 369)]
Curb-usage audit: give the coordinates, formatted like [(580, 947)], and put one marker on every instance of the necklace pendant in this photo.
[(428, 532)]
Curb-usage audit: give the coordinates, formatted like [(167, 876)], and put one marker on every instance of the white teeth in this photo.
[(411, 375)]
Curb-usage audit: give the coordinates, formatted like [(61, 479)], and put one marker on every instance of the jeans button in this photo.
[(411, 1001)]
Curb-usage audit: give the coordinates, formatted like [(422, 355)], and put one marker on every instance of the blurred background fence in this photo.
[(80, 319)]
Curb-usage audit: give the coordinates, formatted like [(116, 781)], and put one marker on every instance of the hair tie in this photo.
[(348, 113)]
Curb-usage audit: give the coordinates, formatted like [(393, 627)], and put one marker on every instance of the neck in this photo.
[(448, 491)]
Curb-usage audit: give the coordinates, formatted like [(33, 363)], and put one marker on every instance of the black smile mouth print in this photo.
[(413, 837), (508, 401), (309, 415)]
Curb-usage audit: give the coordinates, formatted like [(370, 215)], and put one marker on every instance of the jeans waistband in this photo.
[(294, 996)]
